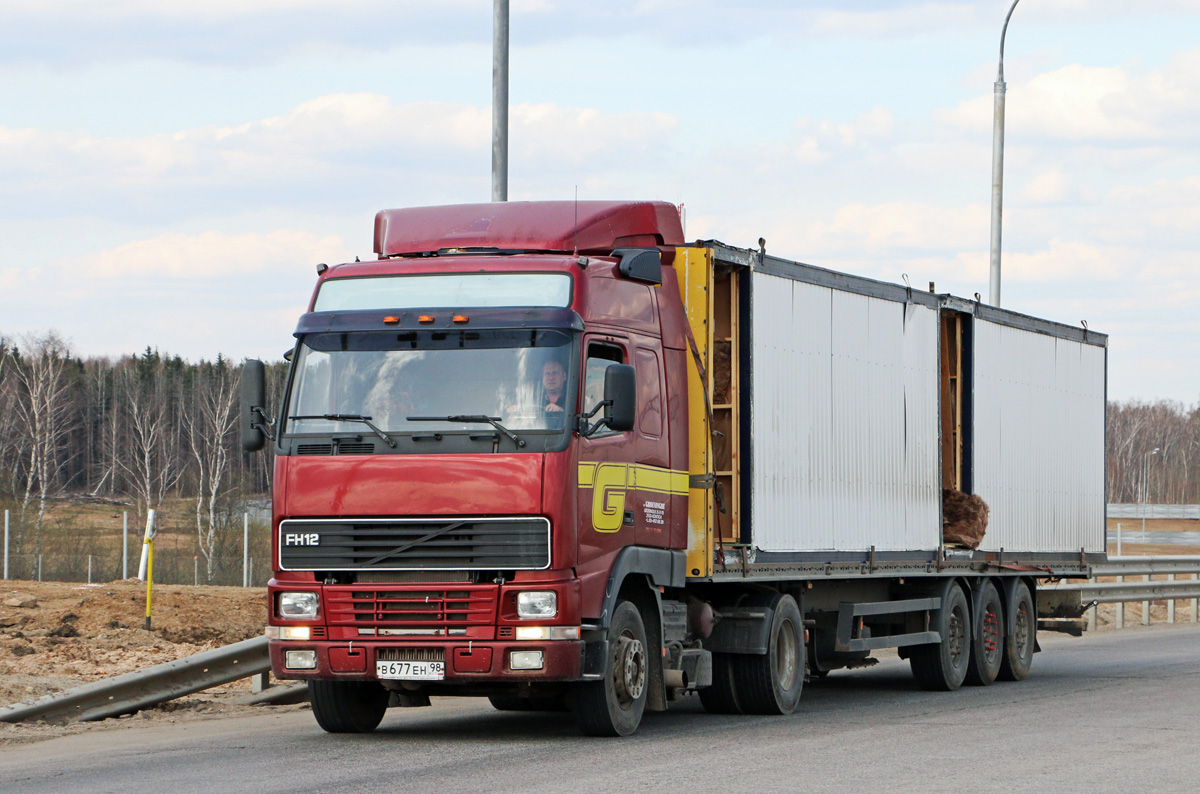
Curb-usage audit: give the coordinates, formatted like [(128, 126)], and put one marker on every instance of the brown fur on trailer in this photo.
[(964, 518)]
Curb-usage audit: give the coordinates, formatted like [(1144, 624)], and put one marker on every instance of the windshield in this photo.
[(414, 381)]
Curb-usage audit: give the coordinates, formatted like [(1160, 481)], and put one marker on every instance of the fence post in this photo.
[(89, 569), (5, 544), (39, 567), (1120, 608), (246, 549), (195, 570), (125, 545), (1093, 613), (1118, 538), (1195, 601), (1145, 604), (1171, 603)]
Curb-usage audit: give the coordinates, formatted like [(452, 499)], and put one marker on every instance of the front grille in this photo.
[(468, 544), (416, 612), (411, 655), (408, 577)]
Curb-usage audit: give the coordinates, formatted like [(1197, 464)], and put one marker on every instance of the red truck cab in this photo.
[(483, 438)]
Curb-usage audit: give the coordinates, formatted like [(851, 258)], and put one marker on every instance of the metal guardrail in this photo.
[(1146, 589), (1125, 510), (144, 688)]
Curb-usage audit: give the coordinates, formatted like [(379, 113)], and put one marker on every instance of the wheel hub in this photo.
[(629, 669), (956, 639)]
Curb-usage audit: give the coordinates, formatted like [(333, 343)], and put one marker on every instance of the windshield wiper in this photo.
[(494, 421), (366, 420)]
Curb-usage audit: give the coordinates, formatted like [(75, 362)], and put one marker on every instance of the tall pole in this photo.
[(998, 167), (500, 100), (246, 549)]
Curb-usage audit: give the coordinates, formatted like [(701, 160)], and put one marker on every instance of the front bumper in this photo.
[(472, 662)]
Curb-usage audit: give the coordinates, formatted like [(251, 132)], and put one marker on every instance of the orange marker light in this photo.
[(461, 318), (425, 318), (391, 320)]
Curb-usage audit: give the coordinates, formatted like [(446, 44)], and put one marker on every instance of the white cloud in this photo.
[(549, 131), (1049, 187), (900, 226), (333, 139), (1066, 260), (13, 278), (209, 10), (208, 256), (1110, 103), (904, 19)]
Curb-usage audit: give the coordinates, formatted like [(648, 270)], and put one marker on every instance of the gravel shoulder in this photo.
[(58, 635)]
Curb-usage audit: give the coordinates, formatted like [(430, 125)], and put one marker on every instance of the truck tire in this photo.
[(1021, 636), (771, 683), (347, 706), (942, 666), (721, 697), (987, 642), (614, 706)]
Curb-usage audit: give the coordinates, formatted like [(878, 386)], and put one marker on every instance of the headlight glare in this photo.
[(537, 604), (298, 606)]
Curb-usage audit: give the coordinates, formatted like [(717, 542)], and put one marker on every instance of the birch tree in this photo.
[(210, 424)]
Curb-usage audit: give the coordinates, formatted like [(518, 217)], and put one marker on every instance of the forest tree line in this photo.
[(133, 430), (139, 428)]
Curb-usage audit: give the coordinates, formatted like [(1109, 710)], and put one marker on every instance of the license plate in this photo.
[(411, 671)]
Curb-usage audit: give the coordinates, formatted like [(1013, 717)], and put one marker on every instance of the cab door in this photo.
[(625, 481)]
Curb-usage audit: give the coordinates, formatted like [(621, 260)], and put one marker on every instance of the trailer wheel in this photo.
[(942, 666), (1021, 636), (614, 706), (347, 706), (771, 683), (987, 642), (721, 697)]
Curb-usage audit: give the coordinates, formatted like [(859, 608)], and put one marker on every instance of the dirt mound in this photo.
[(75, 633)]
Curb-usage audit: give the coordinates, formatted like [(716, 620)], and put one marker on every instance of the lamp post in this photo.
[(500, 100), (998, 167)]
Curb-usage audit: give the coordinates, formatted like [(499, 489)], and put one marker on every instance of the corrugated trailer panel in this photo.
[(1038, 452), (845, 420)]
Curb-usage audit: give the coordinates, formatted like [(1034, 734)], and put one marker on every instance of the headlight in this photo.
[(525, 660), (537, 604), (298, 606), (300, 660)]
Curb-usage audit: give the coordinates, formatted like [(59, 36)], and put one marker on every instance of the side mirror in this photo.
[(254, 388), (620, 397)]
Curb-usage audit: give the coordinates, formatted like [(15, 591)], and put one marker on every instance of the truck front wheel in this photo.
[(614, 705), (347, 706)]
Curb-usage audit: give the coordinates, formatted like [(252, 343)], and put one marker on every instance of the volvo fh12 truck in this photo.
[(551, 454)]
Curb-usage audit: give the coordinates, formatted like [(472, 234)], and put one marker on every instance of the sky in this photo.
[(171, 173)]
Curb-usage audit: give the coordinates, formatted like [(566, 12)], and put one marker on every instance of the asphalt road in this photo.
[(1117, 711)]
